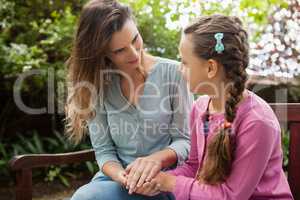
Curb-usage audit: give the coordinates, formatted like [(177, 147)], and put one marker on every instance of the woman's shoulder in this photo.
[(167, 65), (167, 62), (167, 69)]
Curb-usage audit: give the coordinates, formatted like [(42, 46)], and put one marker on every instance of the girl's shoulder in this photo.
[(200, 105), (257, 109)]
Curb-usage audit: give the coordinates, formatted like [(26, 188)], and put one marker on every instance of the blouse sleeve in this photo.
[(189, 168), (101, 139), (182, 101)]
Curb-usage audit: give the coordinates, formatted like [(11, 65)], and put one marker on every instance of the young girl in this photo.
[(236, 146), (135, 105)]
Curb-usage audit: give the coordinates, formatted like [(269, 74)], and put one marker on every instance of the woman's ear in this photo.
[(212, 68)]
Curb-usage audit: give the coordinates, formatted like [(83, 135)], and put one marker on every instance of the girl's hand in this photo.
[(165, 182), (140, 171), (148, 189)]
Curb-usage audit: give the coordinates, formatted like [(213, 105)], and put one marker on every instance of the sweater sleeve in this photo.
[(255, 142)]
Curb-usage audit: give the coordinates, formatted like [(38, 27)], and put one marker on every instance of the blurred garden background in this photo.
[(37, 34)]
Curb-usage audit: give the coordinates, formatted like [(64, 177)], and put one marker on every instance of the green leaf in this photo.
[(38, 143), (90, 167), (2, 150), (64, 180)]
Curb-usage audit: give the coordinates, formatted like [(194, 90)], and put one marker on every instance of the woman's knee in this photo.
[(102, 190)]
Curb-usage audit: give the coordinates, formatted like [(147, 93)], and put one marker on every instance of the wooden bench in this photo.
[(22, 165)]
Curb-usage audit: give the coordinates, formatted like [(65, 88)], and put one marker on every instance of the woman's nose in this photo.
[(133, 51)]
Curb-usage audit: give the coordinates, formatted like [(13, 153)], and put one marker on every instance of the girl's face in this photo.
[(201, 74), (125, 47)]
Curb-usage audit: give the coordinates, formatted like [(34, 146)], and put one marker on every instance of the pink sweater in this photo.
[(257, 169)]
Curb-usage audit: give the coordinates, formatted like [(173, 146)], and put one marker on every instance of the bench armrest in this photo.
[(29, 161), (22, 165)]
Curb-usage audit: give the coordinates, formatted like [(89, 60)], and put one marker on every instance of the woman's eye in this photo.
[(134, 40), (118, 51)]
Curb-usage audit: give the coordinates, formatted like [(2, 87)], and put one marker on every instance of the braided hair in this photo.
[(234, 58)]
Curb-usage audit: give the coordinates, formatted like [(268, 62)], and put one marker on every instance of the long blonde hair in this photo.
[(98, 21)]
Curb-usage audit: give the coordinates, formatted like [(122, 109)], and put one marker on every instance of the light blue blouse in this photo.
[(121, 132)]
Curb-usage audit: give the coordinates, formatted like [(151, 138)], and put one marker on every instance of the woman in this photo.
[(134, 105)]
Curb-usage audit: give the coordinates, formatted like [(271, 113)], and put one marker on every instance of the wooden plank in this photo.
[(287, 112), (294, 160), (30, 161), (24, 184)]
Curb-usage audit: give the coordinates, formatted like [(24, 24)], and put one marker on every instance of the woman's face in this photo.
[(125, 47)]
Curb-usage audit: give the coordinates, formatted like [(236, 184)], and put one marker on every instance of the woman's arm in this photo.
[(190, 167), (116, 171), (103, 146), (144, 169), (181, 103)]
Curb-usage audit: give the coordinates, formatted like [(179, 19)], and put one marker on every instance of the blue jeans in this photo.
[(104, 188)]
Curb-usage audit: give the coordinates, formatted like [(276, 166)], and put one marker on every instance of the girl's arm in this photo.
[(255, 143)]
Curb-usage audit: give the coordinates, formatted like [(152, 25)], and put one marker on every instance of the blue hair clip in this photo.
[(219, 45)]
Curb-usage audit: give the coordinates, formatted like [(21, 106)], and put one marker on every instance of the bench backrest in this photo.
[(289, 115)]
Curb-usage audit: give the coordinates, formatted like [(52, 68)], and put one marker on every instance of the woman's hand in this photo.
[(115, 171), (140, 171), (121, 177)]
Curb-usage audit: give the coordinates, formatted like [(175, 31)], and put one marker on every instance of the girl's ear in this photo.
[(213, 68)]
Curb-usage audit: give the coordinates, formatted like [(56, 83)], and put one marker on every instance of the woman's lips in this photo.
[(133, 61)]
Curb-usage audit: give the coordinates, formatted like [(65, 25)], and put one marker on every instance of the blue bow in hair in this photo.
[(219, 45)]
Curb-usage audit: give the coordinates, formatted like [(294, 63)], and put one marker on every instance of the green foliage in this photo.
[(20, 57), (38, 145), (151, 20), (38, 34), (285, 140), (260, 10), (57, 33), (154, 16), (41, 40), (45, 34)]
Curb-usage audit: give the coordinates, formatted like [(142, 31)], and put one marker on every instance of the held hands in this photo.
[(139, 175), (162, 182), (149, 189)]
